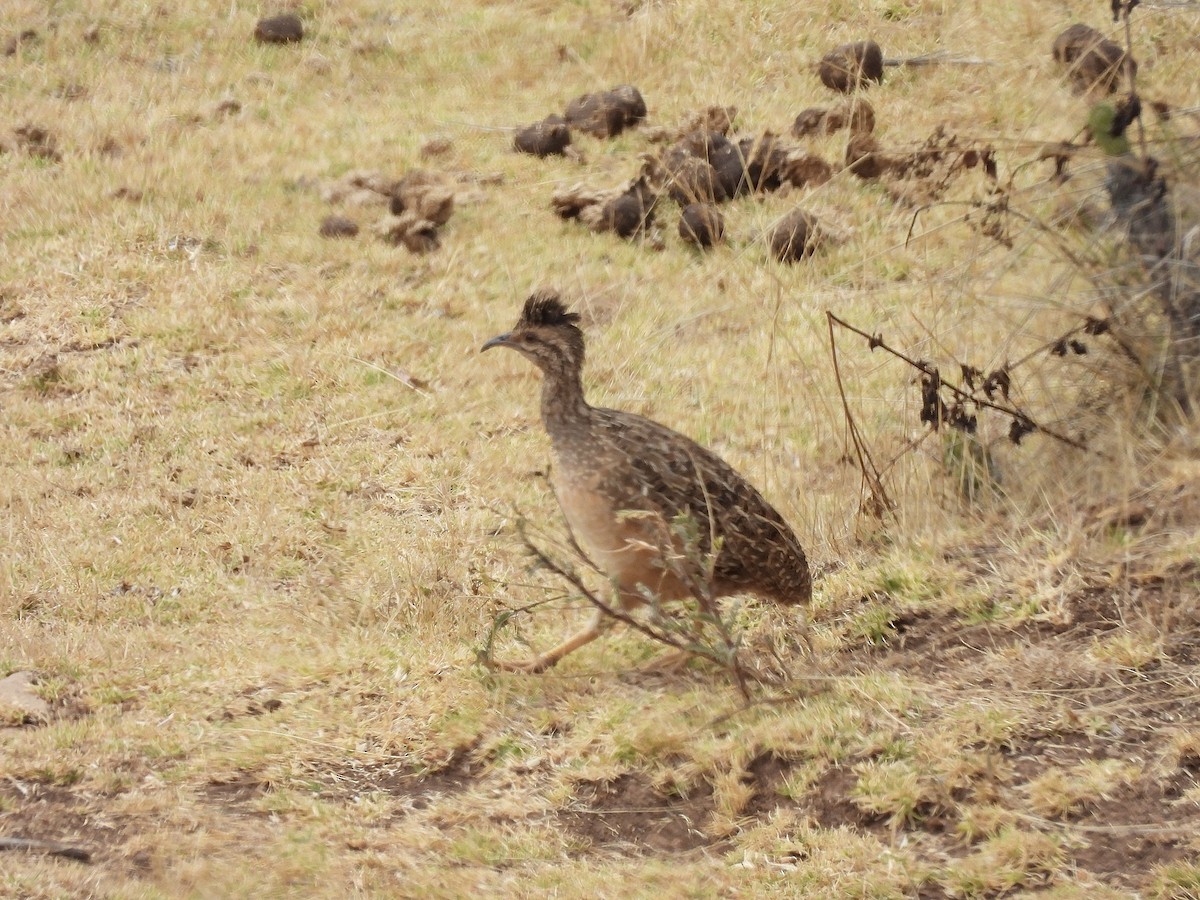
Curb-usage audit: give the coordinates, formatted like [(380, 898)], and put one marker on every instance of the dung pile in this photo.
[(627, 210), (851, 67), (603, 114), (282, 29), (1094, 63), (418, 206)]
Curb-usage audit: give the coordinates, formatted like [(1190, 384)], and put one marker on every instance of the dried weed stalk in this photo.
[(699, 628)]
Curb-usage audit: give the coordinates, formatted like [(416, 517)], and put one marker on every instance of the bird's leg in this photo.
[(544, 661), (670, 663)]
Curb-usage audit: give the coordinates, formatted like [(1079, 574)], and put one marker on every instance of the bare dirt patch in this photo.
[(1136, 829), (51, 813), (629, 815), (417, 788), (235, 793)]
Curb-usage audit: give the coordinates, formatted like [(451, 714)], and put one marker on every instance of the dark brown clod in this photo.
[(704, 143), (765, 158), (851, 66), (627, 214), (548, 137), (810, 121), (282, 29), (606, 114), (863, 156), (795, 237), (1094, 62), (415, 233), (718, 119), (425, 195), (436, 146), (858, 115), (338, 227), (691, 179), (702, 224), (730, 167), (631, 102), (804, 169)]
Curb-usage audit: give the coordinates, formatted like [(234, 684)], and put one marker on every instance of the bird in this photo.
[(626, 485)]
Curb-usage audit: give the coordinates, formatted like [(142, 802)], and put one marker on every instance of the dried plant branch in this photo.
[(881, 503), (724, 654), (1020, 419)]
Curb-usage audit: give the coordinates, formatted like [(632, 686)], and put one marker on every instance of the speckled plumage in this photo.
[(624, 481)]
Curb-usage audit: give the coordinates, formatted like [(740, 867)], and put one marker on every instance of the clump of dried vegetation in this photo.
[(263, 505)]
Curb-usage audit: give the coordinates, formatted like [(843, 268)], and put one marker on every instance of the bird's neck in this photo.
[(564, 409)]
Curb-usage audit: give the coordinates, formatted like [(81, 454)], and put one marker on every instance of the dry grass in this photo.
[(252, 570)]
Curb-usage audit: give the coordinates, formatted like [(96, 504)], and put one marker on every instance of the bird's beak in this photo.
[(500, 340)]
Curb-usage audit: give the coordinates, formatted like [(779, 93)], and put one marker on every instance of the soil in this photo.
[(628, 815)]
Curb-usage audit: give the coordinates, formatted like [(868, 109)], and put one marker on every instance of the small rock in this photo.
[(702, 224), (338, 227), (282, 29), (795, 237), (851, 66), (601, 115), (549, 137), (17, 699)]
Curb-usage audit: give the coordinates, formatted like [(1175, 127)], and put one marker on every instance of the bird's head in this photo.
[(546, 334)]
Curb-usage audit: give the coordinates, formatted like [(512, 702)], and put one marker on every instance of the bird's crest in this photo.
[(545, 308)]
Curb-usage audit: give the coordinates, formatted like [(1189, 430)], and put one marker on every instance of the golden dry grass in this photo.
[(258, 486)]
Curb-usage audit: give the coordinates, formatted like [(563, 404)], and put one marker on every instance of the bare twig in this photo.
[(728, 660), (51, 848), (881, 503), (1015, 414), (938, 58), (1125, 9)]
